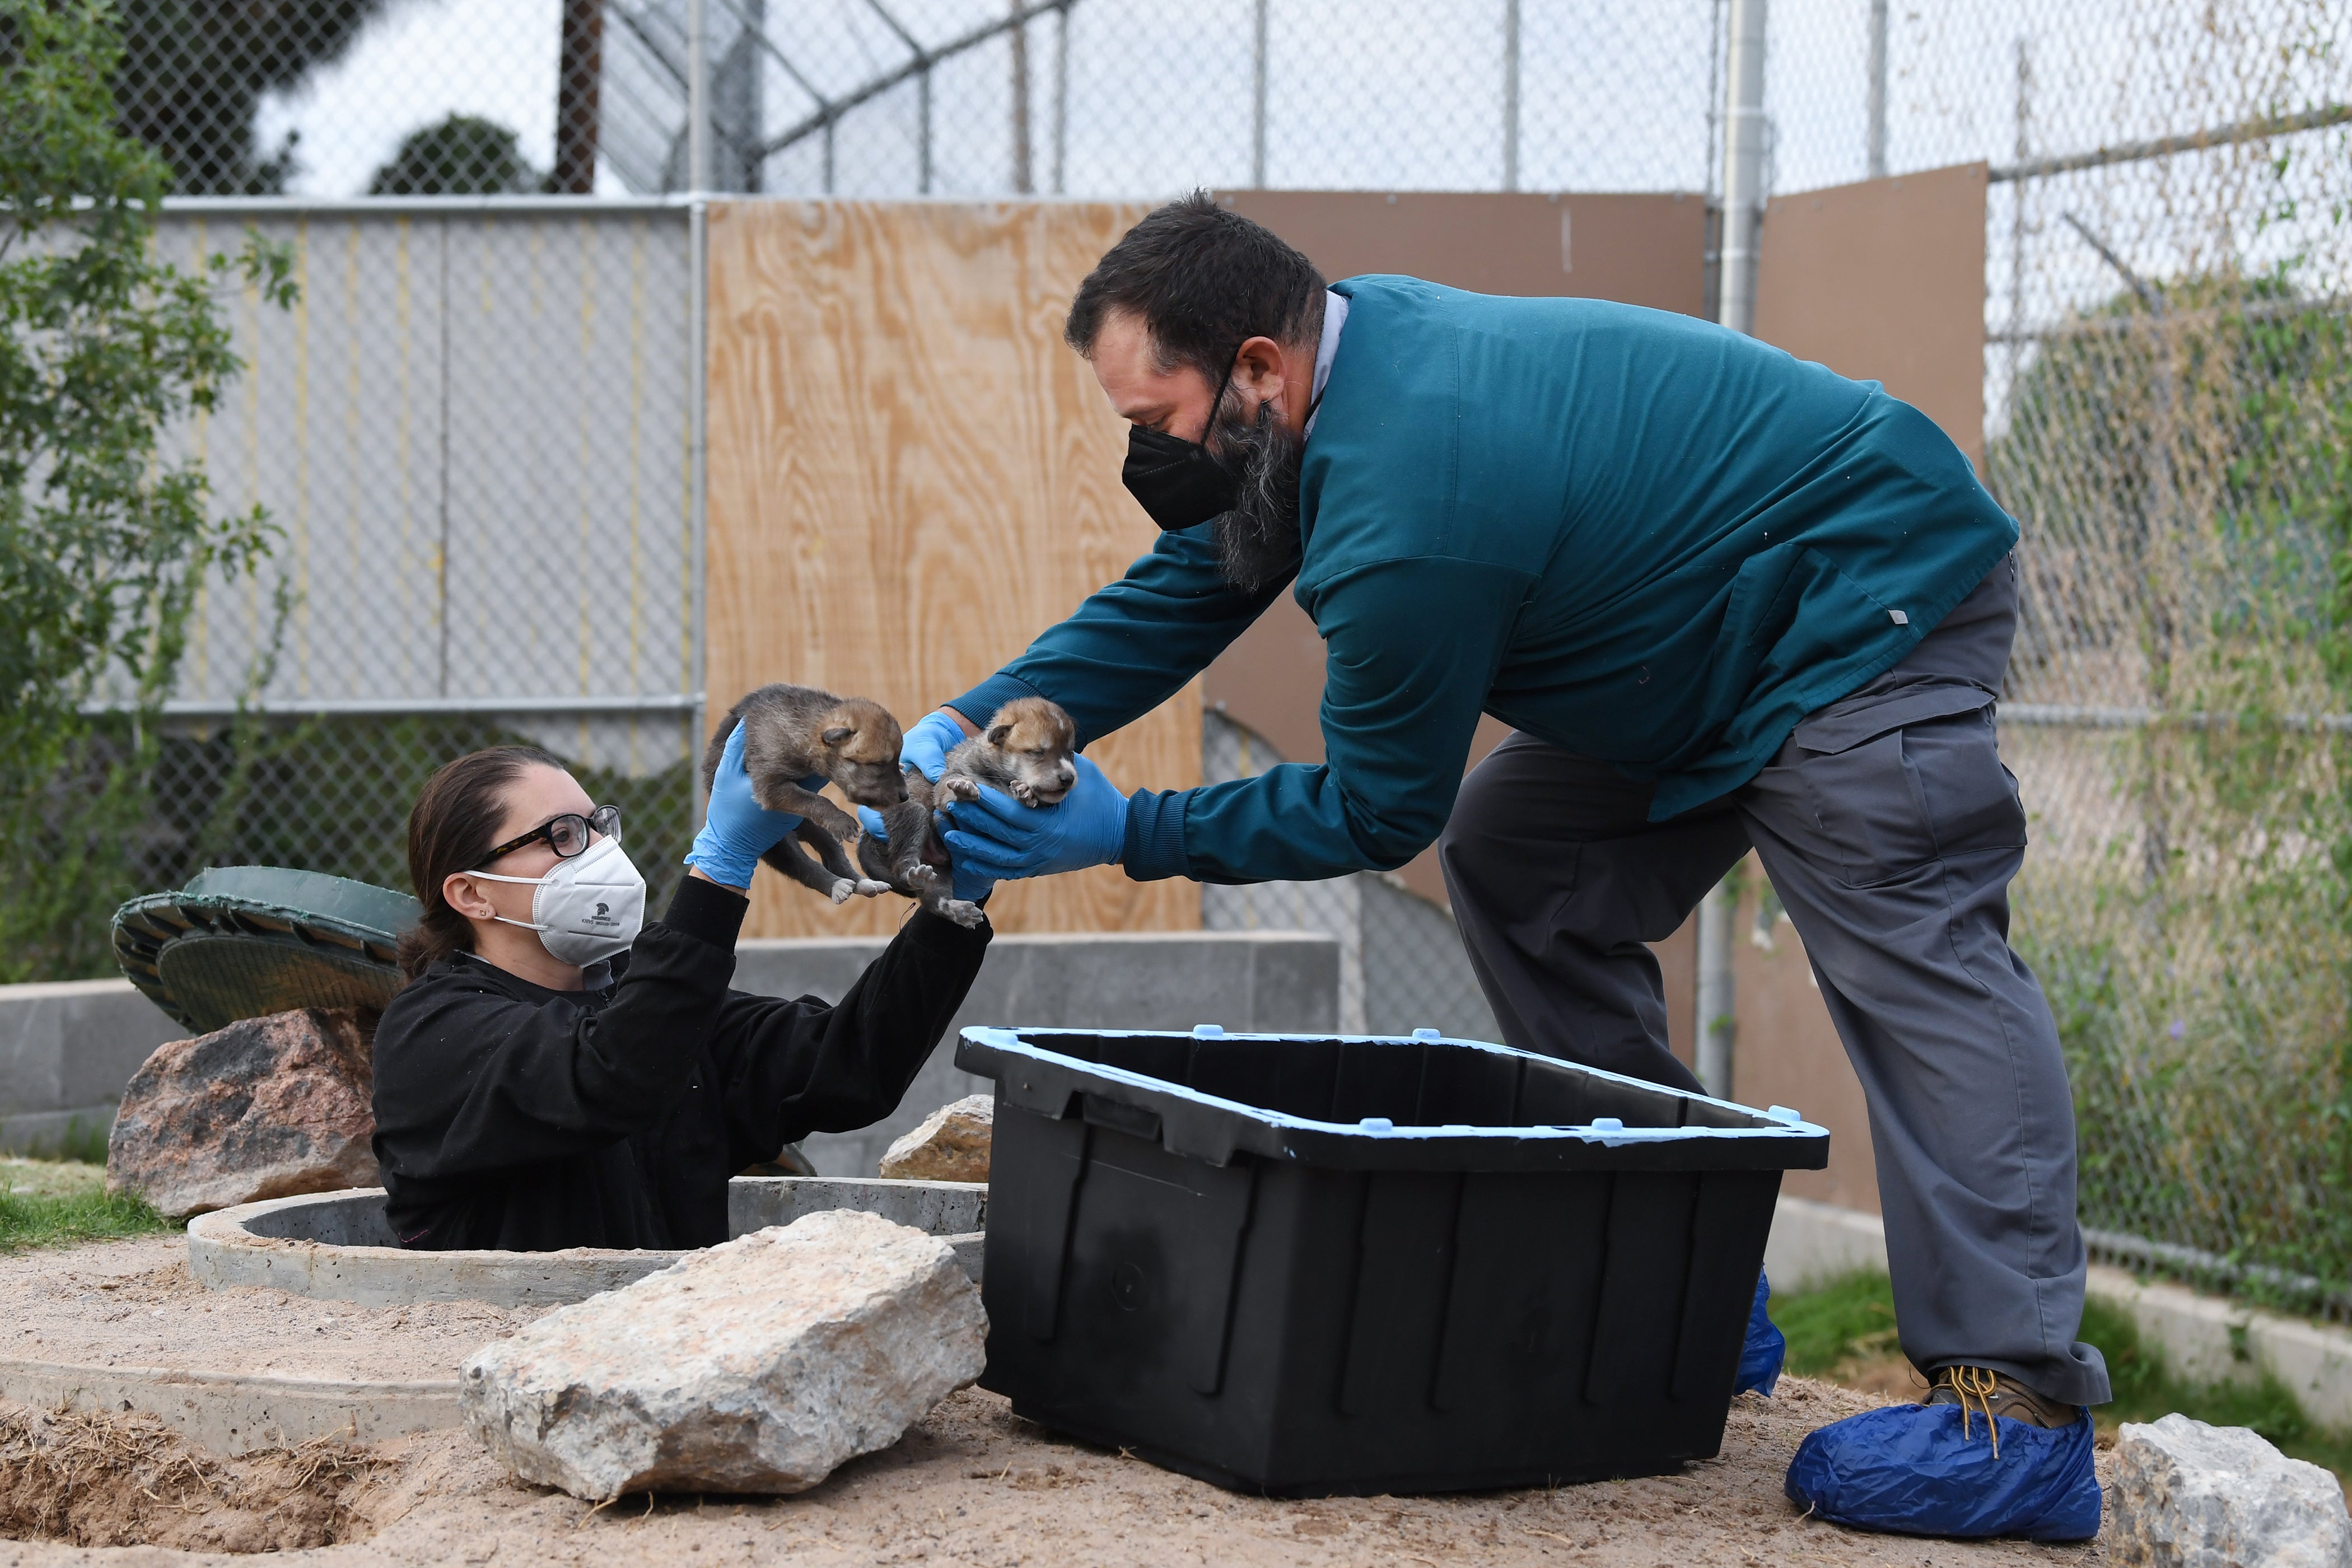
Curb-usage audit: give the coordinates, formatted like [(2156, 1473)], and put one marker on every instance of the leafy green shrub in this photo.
[(103, 544)]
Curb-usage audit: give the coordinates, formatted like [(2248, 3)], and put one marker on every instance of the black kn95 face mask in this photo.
[(1179, 483)]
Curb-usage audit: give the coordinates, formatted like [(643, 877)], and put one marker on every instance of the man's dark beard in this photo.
[(1257, 541)]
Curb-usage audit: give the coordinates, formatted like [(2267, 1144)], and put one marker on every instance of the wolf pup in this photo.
[(796, 732), (1028, 750)]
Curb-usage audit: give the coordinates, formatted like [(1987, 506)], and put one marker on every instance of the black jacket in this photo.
[(511, 1116)]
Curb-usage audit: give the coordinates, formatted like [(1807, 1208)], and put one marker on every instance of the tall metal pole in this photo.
[(698, 307), (1744, 135), (923, 99), (698, 99), (1061, 94), (1257, 97), (1878, 89), (1717, 1021), (1024, 181), (1510, 95)]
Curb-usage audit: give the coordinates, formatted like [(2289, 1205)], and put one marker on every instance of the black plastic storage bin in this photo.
[(1307, 1265)]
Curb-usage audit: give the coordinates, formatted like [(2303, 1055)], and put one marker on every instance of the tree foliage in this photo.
[(463, 155), (104, 539), (194, 72)]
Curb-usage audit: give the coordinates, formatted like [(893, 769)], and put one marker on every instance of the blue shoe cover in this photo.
[(1761, 1357), (1907, 1470)]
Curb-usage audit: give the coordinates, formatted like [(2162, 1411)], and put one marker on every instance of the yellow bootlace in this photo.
[(1975, 1382)]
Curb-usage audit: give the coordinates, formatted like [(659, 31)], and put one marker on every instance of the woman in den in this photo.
[(555, 1076)]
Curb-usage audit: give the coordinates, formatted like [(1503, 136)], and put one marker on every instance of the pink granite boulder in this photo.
[(263, 1108)]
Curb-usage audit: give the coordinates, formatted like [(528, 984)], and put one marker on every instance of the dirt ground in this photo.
[(970, 1484)]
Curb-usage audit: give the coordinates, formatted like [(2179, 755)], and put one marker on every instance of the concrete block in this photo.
[(235, 1412), (1814, 1241), (71, 1044), (2187, 1494), (759, 1365), (1282, 980)]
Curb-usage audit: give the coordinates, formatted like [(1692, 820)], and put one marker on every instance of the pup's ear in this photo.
[(837, 735), (996, 733)]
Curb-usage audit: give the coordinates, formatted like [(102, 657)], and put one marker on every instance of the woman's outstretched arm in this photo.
[(791, 1068)]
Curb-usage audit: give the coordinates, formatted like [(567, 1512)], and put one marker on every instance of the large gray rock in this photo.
[(755, 1366), (2187, 1494), (951, 1144), (264, 1109)]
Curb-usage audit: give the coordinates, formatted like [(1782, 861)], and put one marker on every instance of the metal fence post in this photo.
[(1061, 95), (698, 305), (1717, 1026), (1257, 96), (1510, 95), (1876, 148), (1743, 190), (1743, 163)]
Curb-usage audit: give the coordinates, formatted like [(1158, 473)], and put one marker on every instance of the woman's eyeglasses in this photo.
[(567, 835)]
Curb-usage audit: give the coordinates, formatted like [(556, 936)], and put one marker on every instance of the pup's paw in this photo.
[(1024, 792), (842, 887), (963, 912), (867, 888), (959, 788)]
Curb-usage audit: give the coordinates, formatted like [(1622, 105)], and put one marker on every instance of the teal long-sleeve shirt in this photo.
[(1628, 533)]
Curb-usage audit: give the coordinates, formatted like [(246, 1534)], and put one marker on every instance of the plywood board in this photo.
[(1638, 249), (1884, 281), (910, 477)]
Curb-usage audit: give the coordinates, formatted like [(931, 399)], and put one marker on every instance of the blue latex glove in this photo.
[(927, 745), (735, 829), (999, 837), (968, 885)]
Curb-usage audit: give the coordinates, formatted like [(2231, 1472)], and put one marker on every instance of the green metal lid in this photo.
[(242, 941)]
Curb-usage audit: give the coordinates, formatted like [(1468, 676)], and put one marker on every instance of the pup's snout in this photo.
[(1067, 773)]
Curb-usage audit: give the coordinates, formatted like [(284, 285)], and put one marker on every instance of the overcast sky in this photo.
[(1389, 94)]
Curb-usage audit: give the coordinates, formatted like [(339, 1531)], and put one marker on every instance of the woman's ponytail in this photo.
[(453, 826)]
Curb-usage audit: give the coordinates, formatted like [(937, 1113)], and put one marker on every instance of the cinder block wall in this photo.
[(66, 1051), (1287, 980)]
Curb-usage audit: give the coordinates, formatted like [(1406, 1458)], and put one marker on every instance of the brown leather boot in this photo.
[(1981, 1391)]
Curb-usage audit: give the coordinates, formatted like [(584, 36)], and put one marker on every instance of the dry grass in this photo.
[(98, 1479)]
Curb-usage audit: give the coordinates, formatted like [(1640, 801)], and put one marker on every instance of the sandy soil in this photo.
[(970, 1484), (133, 1303), (973, 1483)]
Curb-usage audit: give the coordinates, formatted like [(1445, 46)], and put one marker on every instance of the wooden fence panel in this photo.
[(910, 477)]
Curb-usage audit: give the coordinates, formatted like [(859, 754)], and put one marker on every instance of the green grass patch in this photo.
[(1851, 1321), (45, 1203), (1848, 1318)]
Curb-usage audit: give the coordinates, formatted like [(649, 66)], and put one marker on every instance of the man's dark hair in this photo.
[(1204, 280)]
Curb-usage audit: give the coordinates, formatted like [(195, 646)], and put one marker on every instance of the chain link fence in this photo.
[(2166, 382), (472, 435), (476, 431)]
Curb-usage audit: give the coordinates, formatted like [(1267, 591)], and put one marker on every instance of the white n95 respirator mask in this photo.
[(587, 908)]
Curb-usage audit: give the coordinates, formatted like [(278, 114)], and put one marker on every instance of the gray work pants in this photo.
[(1890, 830)]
